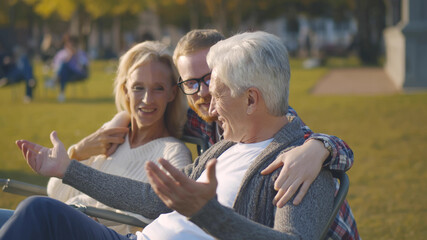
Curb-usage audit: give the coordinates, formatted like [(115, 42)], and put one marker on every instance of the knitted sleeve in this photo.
[(115, 191)]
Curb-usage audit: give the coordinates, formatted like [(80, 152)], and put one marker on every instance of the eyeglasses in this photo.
[(192, 86)]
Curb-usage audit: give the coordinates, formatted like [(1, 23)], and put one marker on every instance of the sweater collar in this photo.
[(286, 137)]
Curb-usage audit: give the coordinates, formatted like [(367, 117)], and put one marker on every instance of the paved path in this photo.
[(355, 81)]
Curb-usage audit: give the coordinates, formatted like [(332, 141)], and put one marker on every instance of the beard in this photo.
[(197, 108)]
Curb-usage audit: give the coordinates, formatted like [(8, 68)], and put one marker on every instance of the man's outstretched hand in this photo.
[(50, 162), (179, 192)]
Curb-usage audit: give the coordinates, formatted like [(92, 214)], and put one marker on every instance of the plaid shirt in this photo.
[(341, 158), (197, 127)]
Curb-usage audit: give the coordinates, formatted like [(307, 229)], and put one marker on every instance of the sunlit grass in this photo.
[(388, 134)]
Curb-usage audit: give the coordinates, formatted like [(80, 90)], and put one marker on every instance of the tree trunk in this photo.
[(116, 35), (194, 14), (371, 22)]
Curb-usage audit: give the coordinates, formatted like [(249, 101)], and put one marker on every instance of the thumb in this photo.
[(211, 171), (54, 139)]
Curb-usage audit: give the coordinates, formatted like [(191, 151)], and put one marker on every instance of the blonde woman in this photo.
[(146, 91)]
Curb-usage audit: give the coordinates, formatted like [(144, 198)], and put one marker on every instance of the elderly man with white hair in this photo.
[(221, 195)]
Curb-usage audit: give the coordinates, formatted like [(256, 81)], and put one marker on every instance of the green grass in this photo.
[(388, 134)]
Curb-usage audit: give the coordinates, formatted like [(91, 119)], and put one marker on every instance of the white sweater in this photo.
[(125, 162)]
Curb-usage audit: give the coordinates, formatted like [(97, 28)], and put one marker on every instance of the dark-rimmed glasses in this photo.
[(192, 86)]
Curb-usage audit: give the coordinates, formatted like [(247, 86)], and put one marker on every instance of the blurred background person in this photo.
[(17, 68), (4, 63), (70, 64)]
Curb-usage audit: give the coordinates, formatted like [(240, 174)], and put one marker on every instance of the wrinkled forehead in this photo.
[(217, 86)]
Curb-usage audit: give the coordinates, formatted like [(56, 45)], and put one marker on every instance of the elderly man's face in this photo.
[(230, 111), (195, 66)]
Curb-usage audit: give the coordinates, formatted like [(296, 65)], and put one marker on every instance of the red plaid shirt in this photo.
[(341, 158)]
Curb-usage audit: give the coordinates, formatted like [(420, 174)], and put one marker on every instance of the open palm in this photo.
[(51, 162)]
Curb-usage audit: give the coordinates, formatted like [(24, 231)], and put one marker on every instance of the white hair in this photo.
[(254, 59)]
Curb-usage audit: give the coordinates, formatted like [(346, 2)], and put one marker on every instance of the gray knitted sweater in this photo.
[(253, 215)]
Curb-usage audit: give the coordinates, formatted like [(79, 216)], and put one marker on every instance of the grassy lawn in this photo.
[(388, 134)]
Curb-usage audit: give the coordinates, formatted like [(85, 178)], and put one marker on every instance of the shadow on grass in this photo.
[(24, 177)]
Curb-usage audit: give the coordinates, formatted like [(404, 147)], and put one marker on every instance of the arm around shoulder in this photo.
[(341, 156)]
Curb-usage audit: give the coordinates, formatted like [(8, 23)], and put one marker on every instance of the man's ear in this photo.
[(253, 98)]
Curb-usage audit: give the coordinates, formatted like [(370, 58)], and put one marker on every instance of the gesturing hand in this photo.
[(50, 162), (179, 192), (301, 166), (103, 141)]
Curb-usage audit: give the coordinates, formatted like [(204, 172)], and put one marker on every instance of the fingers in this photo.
[(211, 171), (273, 166), (112, 149), (114, 136), (160, 177), (174, 172), (286, 186), (23, 147), (162, 184), (156, 177), (116, 139), (301, 193), (282, 189), (19, 143), (179, 192), (282, 181), (30, 156), (28, 150), (29, 145), (116, 130), (287, 195), (30, 161)]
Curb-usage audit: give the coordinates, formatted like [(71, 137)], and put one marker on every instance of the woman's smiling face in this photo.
[(149, 89)]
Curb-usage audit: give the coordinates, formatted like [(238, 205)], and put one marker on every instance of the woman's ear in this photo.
[(253, 95), (125, 90), (173, 93)]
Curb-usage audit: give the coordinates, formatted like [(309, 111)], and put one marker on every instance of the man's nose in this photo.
[(211, 110)]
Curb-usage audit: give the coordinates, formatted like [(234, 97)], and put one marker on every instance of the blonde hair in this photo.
[(142, 53)]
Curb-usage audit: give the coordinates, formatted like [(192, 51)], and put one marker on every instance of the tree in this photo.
[(371, 23), (228, 16)]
